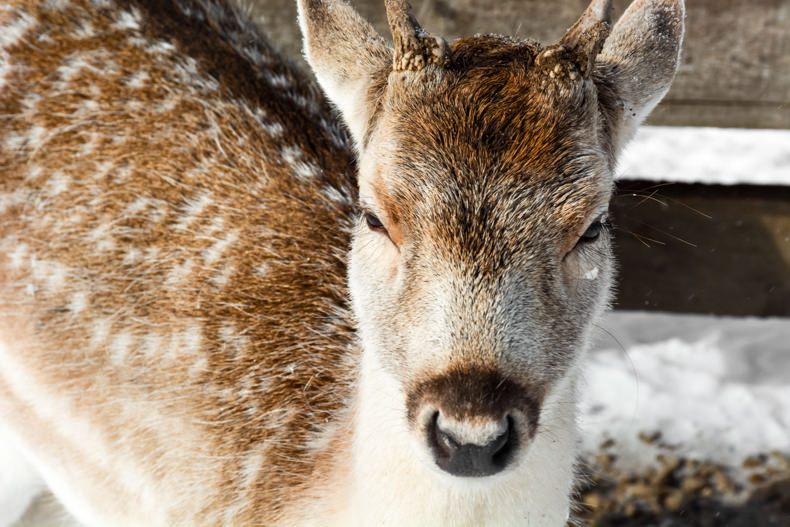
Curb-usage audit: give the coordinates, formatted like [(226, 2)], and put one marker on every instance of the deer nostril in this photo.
[(470, 459)]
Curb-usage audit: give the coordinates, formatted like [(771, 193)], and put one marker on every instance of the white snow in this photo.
[(724, 156), (716, 388)]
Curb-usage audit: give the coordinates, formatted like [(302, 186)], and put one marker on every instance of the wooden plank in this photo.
[(736, 61), (703, 248)]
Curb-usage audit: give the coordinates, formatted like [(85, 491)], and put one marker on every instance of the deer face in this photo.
[(481, 256)]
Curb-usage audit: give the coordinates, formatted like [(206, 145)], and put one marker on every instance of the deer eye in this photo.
[(374, 223), (593, 232)]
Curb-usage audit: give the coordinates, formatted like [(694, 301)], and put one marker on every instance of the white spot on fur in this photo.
[(179, 273), (11, 34), (215, 252), (217, 224), (51, 275), (100, 332), (162, 47), (333, 194), (78, 302), (199, 367), (18, 256), (12, 199), (128, 20), (273, 129), (58, 5), (36, 137), (192, 210), (57, 183), (592, 274), (291, 154), (102, 238), (304, 170), (84, 29), (232, 338), (262, 269), (89, 146), (168, 104), (137, 80), (120, 346), (277, 80), (56, 277), (132, 256), (14, 142), (151, 253), (222, 278), (188, 73), (152, 345), (191, 349), (71, 67), (137, 206)]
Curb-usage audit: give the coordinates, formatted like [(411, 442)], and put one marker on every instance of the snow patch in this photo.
[(716, 388), (722, 156)]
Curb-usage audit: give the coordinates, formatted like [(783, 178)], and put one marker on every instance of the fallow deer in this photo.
[(221, 306)]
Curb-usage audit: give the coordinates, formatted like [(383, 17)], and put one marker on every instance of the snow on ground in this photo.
[(723, 156), (716, 388)]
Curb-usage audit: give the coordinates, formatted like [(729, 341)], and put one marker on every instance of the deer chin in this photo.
[(416, 491)]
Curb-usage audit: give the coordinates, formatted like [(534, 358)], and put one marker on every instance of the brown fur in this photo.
[(256, 386)]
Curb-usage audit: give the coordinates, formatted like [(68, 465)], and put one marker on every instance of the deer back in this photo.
[(175, 205)]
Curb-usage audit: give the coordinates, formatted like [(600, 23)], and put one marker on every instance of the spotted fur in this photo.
[(198, 327)]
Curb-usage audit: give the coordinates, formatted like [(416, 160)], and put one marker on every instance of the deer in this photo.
[(230, 295)]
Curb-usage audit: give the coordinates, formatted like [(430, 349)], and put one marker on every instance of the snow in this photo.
[(716, 388), (724, 156)]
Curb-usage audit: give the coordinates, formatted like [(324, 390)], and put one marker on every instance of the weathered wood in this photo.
[(736, 60), (703, 248)]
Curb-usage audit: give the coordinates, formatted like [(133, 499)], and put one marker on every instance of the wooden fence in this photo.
[(736, 59)]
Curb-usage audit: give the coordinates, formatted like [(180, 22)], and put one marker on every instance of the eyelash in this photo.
[(593, 232), (374, 223)]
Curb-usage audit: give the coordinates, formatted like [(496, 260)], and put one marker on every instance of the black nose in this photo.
[(469, 459)]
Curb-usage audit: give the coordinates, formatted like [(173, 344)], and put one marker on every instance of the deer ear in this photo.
[(346, 55), (639, 61)]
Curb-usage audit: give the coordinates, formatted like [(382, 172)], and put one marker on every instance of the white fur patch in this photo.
[(56, 184), (10, 34), (120, 346), (193, 209), (179, 273), (215, 252), (534, 492), (128, 20), (19, 256), (78, 302)]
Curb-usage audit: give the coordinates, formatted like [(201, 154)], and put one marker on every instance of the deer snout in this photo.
[(473, 423), (472, 449)]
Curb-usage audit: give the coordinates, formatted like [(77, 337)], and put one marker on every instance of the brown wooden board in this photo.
[(736, 60), (703, 248)]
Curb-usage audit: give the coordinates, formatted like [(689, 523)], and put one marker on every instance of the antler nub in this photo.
[(581, 43), (414, 48)]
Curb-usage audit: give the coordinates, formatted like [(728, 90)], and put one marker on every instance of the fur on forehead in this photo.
[(490, 119), (493, 103)]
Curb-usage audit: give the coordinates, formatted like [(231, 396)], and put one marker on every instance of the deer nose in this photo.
[(466, 450)]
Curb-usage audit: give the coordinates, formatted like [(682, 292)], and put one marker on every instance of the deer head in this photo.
[(481, 257)]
